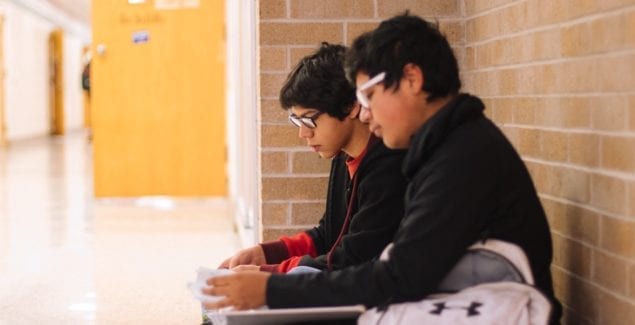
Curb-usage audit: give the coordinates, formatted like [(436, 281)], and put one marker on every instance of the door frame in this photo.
[(241, 19), (56, 81)]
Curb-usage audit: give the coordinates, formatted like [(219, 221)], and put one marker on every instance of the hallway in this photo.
[(67, 259)]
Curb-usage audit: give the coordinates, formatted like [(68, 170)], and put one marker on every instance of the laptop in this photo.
[(285, 315)]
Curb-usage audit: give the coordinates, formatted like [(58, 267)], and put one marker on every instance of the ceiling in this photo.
[(78, 9)]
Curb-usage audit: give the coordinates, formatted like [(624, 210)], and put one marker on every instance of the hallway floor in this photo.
[(67, 259)]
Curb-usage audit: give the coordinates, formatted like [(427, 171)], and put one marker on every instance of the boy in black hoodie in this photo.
[(361, 216)]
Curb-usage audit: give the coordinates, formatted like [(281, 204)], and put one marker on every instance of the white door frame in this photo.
[(242, 117)]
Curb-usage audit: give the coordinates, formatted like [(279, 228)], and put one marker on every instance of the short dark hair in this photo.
[(318, 81), (401, 40)]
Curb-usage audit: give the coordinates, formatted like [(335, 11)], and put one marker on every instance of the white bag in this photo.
[(512, 299), (500, 303)]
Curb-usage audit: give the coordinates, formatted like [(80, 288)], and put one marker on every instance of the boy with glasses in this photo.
[(365, 193), (466, 182)]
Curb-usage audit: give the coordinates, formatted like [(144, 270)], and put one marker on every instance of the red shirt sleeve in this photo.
[(300, 245), (283, 267), (288, 264)]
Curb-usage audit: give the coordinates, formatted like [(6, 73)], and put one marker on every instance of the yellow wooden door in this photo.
[(56, 81), (3, 123), (157, 98)]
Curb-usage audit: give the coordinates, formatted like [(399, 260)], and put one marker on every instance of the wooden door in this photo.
[(157, 98), (56, 81)]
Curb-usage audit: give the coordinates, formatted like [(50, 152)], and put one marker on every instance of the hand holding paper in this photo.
[(244, 290), (203, 274)]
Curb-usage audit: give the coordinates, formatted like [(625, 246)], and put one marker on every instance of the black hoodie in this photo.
[(375, 212), (466, 183)]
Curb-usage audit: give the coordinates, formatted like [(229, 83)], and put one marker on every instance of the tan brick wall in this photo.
[(294, 180), (558, 76)]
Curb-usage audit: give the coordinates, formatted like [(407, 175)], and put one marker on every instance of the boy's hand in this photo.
[(245, 290), (246, 268), (249, 256)]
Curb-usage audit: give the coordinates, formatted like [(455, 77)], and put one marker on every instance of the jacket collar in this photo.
[(433, 132)]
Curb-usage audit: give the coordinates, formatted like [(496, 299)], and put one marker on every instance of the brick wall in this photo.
[(294, 180), (559, 77)]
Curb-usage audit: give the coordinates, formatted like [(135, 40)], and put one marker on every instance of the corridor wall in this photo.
[(27, 72), (558, 76)]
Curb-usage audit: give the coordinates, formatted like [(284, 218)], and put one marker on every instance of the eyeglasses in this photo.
[(307, 121), (361, 96)]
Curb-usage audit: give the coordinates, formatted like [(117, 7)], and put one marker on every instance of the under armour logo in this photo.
[(472, 309)]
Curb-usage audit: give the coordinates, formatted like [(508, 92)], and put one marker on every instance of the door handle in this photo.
[(101, 49)]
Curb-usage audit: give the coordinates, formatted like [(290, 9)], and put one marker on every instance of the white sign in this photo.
[(176, 4)]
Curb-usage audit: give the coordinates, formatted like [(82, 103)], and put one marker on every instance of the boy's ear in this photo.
[(413, 76), (355, 110)]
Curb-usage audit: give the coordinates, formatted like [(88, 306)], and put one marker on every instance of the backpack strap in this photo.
[(488, 261), (512, 252)]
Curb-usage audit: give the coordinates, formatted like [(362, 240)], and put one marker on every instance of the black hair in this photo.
[(318, 81), (401, 40)]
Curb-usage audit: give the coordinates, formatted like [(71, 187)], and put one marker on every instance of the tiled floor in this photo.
[(66, 259)]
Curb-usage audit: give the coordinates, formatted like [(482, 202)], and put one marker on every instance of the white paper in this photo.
[(202, 274)]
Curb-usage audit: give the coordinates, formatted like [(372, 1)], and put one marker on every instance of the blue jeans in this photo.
[(303, 270)]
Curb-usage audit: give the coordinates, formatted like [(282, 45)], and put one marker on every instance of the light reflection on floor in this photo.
[(65, 259)]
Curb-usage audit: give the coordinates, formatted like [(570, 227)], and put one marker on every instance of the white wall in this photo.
[(26, 55), (26, 73), (242, 116)]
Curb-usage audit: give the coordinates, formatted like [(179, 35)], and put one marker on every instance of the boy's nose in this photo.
[(365, 115), (305, 132)]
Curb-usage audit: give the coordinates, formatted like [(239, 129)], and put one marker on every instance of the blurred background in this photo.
[(114, 169)]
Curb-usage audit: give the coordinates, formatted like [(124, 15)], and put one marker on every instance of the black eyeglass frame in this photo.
[(306, 121)]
